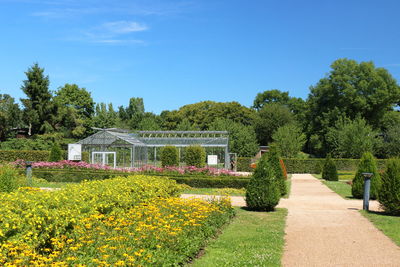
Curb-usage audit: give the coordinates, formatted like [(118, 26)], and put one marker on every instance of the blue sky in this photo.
[(173, 53)]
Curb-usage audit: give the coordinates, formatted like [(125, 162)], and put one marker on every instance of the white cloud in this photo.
[(123, 27)]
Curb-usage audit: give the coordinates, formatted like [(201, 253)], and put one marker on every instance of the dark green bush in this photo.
[(367, 164), (273, 160), (28, 155), (195, 156), (169, 156), (329, 171), (243, 164), (10, 179), (56, 154), (262, 192), (389, 194)]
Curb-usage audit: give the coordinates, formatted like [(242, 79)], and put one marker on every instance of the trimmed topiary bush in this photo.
[(329, 171), (169, 156), (262, 191), (195, 156), (389, 193), (367, 164), (56, 154), (10, 179), (273, 160)]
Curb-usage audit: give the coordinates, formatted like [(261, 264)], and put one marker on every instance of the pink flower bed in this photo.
[(66, 164)]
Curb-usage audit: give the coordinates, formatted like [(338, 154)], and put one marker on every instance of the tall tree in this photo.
[(351, 89), (39, 110), (289, 140), (78, 98), (10, 115), (269, 119)]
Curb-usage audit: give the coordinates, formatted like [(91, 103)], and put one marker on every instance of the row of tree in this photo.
[(348, 112)]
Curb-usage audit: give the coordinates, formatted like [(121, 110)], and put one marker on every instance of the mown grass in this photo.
[(252, 239), (389, 225), (340, 188), (343, 175), (288, 186)]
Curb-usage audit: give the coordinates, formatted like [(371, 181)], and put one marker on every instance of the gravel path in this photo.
[(323, 229)]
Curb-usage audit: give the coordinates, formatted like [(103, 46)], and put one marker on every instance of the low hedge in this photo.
[(213, 182), (32, 155), (243, 164), (315, 165)]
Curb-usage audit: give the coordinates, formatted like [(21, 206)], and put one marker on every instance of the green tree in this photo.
[(10, 116), (56, 153), (39, 109), (270, 96), (289, 140), (350, 139), (105, 117), (262, 191), (367, 164), (269, 119), (242, 138), (71, 95), (273, 158), (351, 89)]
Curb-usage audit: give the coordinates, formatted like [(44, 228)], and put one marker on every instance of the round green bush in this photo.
[(329, 171), (367, 164), (195, 156), (274, 161), (169, 156), (389, 193), (262, 191), (10, 179), (56, 153)]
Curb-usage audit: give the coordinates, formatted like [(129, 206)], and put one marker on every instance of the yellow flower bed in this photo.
[(134, 221)]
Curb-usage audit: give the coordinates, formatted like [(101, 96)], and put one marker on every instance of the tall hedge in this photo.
[(273, 160), (169, 156), (262, 191), (32, 155), (389, 194), (195, 156), (329, 171), (367, 164)]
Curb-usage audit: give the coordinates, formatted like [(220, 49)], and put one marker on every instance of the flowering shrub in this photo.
[(132, 221), (65, 164)]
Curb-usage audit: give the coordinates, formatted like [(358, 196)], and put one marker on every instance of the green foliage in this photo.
[(213, 182), (169, 156), (329, 171), (351, 89), (391, 146), (10, 116), (262, 192), (39, 109), (367, 164), (242, 138), (274, 161), (269, 119), (27, 155), (56, 154), (389, 194), (350, 139), (10, 179), (105, 116), (195, 156), (37, 142), (289, 140), (243, 164), (315, 165)]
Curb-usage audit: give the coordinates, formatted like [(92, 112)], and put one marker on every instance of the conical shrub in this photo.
[(367, 164), (389, 193), (169, 156), (273, 160), (262, 191), (329, 171), (55, 153)]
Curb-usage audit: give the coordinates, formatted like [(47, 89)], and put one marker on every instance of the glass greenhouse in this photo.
[(120, 148)]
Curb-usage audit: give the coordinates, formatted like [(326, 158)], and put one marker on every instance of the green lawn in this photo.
[(288, 186), (389, 225), (343, 175), (43, 183), (252, 239), (216, 191), (340, 188)]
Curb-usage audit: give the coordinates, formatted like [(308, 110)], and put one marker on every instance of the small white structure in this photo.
[(212, 159), (74, 152)]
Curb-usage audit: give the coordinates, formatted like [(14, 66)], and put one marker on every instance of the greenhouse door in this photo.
[(104, 158)]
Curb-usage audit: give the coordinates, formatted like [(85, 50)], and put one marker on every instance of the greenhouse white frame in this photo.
[(142, 148)]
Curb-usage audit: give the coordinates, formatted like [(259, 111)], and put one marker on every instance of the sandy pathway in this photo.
[(323, 229)]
